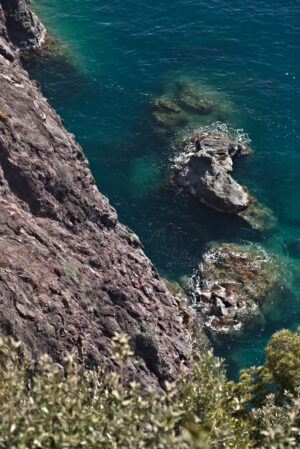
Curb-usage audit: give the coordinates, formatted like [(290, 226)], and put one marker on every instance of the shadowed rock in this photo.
[(23, 28)]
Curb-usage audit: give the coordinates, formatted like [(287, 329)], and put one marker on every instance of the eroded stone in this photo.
[(232, 286)]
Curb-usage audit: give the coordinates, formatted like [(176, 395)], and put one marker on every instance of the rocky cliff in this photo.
[(70, 274)]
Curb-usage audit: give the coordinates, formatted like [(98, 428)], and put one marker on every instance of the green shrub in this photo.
[(93, 409), (281, 371), (283, 360)]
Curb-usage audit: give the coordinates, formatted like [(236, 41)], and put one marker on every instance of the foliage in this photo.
[(72, 408), (278, 427), (281, 371), (283, 359)]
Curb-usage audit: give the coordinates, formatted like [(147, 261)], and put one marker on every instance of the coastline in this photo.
[(71, 274)]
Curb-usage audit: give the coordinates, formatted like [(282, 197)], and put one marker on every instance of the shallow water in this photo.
[(122, 55)]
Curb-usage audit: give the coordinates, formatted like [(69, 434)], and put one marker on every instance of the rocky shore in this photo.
[(71, 275)]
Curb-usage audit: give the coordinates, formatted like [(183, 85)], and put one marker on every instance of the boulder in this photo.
[(205, 166), (258, 216), (205, 169), (167, 114), (186, 104), (232, 285)]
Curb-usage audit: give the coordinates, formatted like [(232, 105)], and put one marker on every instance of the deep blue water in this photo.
[(121, 55)]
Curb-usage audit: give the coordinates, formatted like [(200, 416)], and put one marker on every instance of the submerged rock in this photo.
[(232, 286), (51, 48), (204, 168), (258, 216), (187, 104), (167, 114), (192, 98), (145, 176)]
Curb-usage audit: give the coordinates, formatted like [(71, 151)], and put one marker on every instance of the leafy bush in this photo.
[(281, 371), (73, 408), (283, 360), (278, 427)]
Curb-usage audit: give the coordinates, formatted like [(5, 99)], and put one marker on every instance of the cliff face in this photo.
[(70, 274), (23, 28)]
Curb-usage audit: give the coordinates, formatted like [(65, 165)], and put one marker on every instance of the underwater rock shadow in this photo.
[(60, 80)]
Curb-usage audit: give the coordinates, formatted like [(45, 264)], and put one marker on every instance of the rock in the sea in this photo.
[(258, 216), (166, 113), (51, 48), (205, 168), (71, 275), (180, 292), (232, 286)]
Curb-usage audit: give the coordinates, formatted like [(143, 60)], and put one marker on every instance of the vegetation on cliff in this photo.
[(71, 407)]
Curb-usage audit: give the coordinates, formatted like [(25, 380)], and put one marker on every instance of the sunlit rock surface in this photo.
[(205, 167)]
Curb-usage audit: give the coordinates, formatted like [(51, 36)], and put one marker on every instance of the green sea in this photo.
[(118, 56)]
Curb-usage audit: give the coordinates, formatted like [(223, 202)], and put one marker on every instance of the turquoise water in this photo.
[(121, 55)]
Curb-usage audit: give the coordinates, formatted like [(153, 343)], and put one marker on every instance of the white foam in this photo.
[(215, 128)]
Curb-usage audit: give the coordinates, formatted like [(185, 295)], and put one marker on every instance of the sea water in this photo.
[(121, 55)]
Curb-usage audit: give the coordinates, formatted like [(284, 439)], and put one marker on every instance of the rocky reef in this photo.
[(233, 285), (204, 167), (192, 118), (71, 275), (184, 104)]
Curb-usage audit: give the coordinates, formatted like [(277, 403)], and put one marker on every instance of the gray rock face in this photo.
[(23, 28), (71, 275), (205, 169)]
